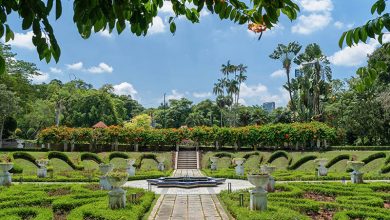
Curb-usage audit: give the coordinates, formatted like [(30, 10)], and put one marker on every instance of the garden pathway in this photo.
[(187, 204)]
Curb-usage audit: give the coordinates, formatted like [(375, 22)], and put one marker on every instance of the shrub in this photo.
[(223, 154), (246, 156), (301, 161), (337, 159), (91, 156), (277, 154), (374, 157), (385, 169), (25, 156), (118, 155), (138, 162), (62, 156), (16, 169)]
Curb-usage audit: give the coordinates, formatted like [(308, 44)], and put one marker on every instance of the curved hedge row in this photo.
[(304, 134), (248, 155), (301, 161), (337, 159), (385, 169), (277, 154), (374, 157), (138, 162), (223, 154), (65, 158), (91, 156), (118, 155), (25, 156)]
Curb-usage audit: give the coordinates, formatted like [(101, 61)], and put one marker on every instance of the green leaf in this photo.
[(363, 34), (172, 27), (373, 8), (2, 65), (27, 22), (58, 9), (356, 37), (341, 41), (380, 38), (348, 38), (8, 33), (49, 6)]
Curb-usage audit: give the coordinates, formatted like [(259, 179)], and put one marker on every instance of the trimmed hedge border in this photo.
[(118, 155), (301, 161), (248, 155), (25, 156), (91, 156), (374, 157), (337, 159), (360, 148), (223, 154), (65, 158), (275, 155), (139, 160)]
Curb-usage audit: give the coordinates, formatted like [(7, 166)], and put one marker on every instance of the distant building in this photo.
[(269, 106)]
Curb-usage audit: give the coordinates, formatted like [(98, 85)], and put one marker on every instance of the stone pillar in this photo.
[(48, 146), (161, 166), (65, 146), (258, 199), (42, 172), (136, 147), (322, 171), (72, 146), (117, 198), (356, 177), (271, 184)]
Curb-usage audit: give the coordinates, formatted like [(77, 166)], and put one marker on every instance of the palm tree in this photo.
[(241, 77), (286, 54), (317, 71)]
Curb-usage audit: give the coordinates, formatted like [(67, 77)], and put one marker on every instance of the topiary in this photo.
[(301, 161), (91, 156), (62, 156), (337, 159), (277, 154)]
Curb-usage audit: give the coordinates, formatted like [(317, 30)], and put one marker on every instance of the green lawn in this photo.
[(316, 201)]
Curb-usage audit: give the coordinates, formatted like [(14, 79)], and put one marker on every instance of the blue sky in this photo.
[(187, 64)]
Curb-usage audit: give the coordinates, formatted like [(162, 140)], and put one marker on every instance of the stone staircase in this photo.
[(187, 160)]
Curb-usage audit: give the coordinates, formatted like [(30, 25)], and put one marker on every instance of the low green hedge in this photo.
[(25, 156), (118, 155), (33, 213), (374, 157), (337, 159), (360, 148), (277, 154), (138, 162), (62, 156), (91, 156), (301, 161), (223, 154)]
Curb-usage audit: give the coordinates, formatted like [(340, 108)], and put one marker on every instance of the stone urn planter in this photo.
[(322, 170), (117, 196), (42, 169), (20, 143), (105, 169), (271, 183), (239, 167), (258, 196), (130, 168), (356, 175), (213, 163), (161, 166), (5, 176)]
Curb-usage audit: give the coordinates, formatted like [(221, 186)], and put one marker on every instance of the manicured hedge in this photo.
[(374, 157), (118, 155), (360, 148), (385, 169), (248, 155), (301, 161), (277, 154), (65, 158), (16, 169), (223, 154), (91, 156), (303, 134), (138, 162), (25, 156), (337, 159)]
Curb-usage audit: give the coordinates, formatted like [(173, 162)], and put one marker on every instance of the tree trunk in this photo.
[(289, 87), (65, 146), (1, 133)]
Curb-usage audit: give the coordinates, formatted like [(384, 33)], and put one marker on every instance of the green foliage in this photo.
[(336, 159), (301, 161), (373, 157), (25, 156), (91, 156), (140, 121), (118, 155), (277, 154), (65, 158), (16, 169), (223, 154)]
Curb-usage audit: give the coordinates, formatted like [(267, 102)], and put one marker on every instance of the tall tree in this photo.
[(286, 54), (8, 107)]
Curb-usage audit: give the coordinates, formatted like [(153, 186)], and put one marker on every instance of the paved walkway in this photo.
[(185, 204)]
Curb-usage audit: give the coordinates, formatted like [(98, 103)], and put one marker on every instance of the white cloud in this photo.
[(355, 55), (38, 79), (308, 24), (55, 70), (23, 40), (316, 5), (101, 68), (158, 26), (75, 66), (341, 25), (167, 8), (201, 94), (278, 74), (125, 88), (105, 34), (174, 95), (258, 94)]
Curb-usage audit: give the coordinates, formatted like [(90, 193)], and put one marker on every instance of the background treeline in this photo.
[(358, 108)]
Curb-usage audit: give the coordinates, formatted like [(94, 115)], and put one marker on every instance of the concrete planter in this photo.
[(130, 168), (356, 175), (239, 167), (105, 169), (322, 170), (271, 183), (213, 163), (42, 169), (5, 176), (258, 196), (117, 196)]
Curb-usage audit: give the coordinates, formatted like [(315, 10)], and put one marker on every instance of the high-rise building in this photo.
[(269, 106)]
